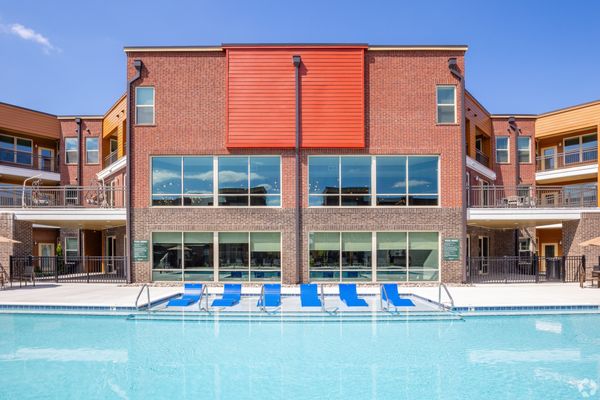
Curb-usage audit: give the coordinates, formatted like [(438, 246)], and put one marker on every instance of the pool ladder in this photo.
[(204, 294), (451, 307), (137, 299)]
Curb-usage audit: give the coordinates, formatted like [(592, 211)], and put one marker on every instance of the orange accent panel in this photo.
[(261, 97)]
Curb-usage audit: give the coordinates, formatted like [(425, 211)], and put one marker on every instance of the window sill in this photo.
[(145, 125)]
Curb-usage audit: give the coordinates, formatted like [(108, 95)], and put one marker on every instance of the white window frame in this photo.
[(97, 151), (72, 151), (520, 151), (496, 149), (580, 149), (145, 105), (215, 193), (437, 104), (374, 193)]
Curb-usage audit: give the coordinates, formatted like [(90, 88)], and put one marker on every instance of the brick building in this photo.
[(308, 162)]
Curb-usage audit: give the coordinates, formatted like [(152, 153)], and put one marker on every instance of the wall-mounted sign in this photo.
[(451, 249), (140, 250)]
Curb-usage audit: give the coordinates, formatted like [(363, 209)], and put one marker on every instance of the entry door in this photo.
[(549, 158), (111, 243), (46, 159), (484, 253), (548, 250), (46, 249)]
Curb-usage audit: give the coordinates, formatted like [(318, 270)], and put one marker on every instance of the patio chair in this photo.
[(232, 293), (389, 292), (309, 295), (349, 296), (270, 295), (25, 274), (191, 295)]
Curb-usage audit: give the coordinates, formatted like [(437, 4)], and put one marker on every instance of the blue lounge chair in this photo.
[(232, 292), (389, 291), (191, 294), (349, 296), (271, 295), (309, 295)]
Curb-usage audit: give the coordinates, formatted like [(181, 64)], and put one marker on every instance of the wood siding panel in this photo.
[(20, 120), (113, 117), (571, 120), (261, 97)]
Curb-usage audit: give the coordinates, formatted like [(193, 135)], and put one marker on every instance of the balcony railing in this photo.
[(24, 159), (571, 158), (482, 158), (533, 197), (62, 196), (111, 158)]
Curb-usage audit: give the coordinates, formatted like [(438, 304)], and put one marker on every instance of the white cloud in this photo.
[(26, 33)]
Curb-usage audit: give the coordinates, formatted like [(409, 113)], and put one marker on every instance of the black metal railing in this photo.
[(482, 158), (567, 159), (489, 196), (85, 269), (61, 196), (534, 269), (29, 160)]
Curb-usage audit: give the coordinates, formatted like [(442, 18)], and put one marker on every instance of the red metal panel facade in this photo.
[(261, 97)]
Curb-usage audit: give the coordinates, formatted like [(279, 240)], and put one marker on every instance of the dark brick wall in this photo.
[(68, 172), (576, 232)]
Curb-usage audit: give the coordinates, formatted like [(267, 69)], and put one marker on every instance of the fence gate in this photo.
[(87, 269), (533, 269)]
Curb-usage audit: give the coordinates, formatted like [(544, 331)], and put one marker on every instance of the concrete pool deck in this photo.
[(73, 294)]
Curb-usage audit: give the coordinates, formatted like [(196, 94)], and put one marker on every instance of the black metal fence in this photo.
[(532, 269), (87, 269)]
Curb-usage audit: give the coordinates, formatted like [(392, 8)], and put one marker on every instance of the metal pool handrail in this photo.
[(387, 299), (442, 285), (203, 294), (323, 308), (140, 293)]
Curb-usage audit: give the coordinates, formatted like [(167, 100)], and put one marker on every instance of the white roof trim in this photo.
[(480, 168), (112, 168), (567, 172), (29, 172), (66, 214), (527, 214)]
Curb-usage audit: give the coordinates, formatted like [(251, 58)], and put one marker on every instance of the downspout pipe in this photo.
[(512, 126), (455, 71), (297, 61), (79, 179), (137, 64)]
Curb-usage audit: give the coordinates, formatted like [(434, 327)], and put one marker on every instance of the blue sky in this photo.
[(66, 57)]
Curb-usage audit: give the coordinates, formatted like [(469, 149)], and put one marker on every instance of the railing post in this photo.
[(10, 268), (582, 272), (87, 269), (536, 268), (56, 261), (563, 268)]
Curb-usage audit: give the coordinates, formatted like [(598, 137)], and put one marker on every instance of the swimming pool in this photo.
[(532, 357)]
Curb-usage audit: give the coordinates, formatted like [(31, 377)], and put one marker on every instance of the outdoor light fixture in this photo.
[(296, 60)]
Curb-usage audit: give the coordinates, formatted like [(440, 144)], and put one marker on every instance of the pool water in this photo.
[(69, 357)]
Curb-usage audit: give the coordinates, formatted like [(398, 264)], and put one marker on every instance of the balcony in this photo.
[(110, 159), (581, 196), (482, 158), (18, 196), (23, 164), (568, 159)]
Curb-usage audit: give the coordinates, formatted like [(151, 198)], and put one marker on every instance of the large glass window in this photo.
[(524, 149), (422, 181), (335, 181), (233, 256), (198, 256), (581, 149), (197, 181), (265, 256), (502, 149), (71, 248), (71, 151), (356, 256), (400, 256), (253, 181), (167, 181), (423, 256), (166, 256), (409, 181), (392, 256), (144, 105), (324, 258), (446, 104), (16, 150), (254, 256), (91, 150)]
